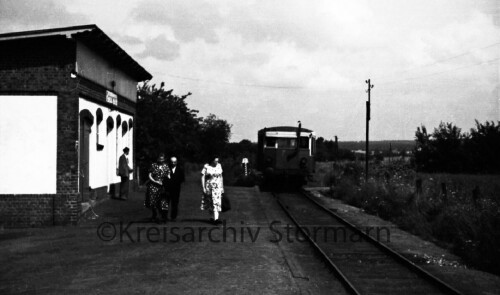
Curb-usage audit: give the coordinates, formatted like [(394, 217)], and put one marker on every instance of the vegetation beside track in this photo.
[(457, 211)]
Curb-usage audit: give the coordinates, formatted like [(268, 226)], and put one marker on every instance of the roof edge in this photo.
[(48, 31), (143, 76), (75, 32), (285, 129)]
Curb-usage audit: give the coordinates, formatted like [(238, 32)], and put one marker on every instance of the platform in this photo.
[(119, 250)]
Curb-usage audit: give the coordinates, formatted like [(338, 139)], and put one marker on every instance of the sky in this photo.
[(271, 63)]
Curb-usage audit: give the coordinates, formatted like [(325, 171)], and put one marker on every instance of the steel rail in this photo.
[(344, 280), (400, 258)]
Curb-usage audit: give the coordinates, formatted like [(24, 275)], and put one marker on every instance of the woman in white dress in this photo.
[(213, 187)]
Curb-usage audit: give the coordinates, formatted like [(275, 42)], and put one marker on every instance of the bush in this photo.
[(468, 226)]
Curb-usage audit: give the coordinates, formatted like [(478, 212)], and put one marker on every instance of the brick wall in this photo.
[(38, 210), (42, 66), (39, 64)]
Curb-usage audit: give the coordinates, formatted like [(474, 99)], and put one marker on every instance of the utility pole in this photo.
[(367, 156), (336, 148), (335, 159)]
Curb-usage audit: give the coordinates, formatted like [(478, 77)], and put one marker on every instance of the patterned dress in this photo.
[(214, 187), (156, 192)]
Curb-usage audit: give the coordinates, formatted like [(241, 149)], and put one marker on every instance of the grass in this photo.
[(451, 214)]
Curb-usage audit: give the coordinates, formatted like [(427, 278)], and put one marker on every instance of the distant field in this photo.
[(378, 145)]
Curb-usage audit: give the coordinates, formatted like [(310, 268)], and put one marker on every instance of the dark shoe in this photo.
[(217, 222), (173, 220)]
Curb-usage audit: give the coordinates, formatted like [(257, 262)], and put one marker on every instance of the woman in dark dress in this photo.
[(158, 175)]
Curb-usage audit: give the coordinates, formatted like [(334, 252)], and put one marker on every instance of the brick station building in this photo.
[(67, 109)]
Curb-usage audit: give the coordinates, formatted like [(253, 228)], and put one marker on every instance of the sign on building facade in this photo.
[(111, 98)]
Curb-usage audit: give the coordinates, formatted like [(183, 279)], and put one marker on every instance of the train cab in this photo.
[(286, 151)]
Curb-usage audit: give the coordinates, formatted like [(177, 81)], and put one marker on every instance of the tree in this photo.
[(423, 149), (448, 142), (484, 147), (164, 124), (450, 150), (243, 149), (326, 150), (214, 135)]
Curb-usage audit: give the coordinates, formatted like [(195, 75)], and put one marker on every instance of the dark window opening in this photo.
[(287, 143), (124, 128), (270, 142), (110, 124), (304, 143), (99, 118)]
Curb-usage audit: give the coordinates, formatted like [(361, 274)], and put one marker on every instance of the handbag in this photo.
[(164, 204), (225, 203)]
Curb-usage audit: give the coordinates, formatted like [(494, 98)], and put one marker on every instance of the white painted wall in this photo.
[(103, 163), (28, 144)]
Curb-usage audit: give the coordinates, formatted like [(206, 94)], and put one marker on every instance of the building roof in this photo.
[(94, 38), (284, 128)]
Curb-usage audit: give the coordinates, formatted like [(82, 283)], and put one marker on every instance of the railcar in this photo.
[(286, 152)]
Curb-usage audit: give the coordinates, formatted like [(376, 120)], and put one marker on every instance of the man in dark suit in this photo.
[(174, 186), (124, 171)]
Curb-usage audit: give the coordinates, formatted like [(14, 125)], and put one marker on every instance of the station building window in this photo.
[(124, 128), (125, 135), (99, 118), (110, 124), (117, 150)]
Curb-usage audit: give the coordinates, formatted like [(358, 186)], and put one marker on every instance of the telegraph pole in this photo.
[(370, 86), (335, 159)]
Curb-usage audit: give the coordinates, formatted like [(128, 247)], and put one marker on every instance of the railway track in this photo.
[(362, 263)]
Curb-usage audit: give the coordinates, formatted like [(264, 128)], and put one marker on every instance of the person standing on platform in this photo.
[(124, 171), (212, 185), (174, 187), (159, 173)]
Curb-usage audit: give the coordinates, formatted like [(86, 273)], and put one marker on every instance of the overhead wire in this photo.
[(236, 84), (448, 58), (380, 83), (440, 73)]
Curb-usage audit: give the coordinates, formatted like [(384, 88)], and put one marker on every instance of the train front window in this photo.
[(271, 142), (304, 142), (284, 143)]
